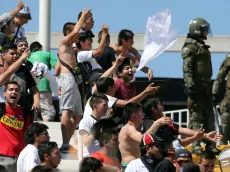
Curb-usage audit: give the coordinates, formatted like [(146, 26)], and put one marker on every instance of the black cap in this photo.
[(149, 139), (183, 153)]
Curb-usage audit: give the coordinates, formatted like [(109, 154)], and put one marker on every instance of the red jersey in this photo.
[(12, 129)]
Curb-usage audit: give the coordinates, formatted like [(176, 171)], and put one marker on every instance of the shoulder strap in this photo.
[(69, 68), (149, 166), (15, 36)]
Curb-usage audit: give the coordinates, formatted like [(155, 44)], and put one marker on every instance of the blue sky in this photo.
[(133, 15)]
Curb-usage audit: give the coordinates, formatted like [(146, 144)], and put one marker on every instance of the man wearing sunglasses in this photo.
[(28, 158), (182, 156)]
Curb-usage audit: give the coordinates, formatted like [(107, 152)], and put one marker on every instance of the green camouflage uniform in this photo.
[(197, 71), (225, 104)]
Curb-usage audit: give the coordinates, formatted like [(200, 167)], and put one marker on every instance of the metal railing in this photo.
[(180, 117)]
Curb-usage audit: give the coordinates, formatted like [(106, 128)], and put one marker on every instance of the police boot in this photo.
[(225, 119), (212, 147), (196, 148), (226, 134)]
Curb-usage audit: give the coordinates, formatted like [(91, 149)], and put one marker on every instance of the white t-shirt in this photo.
[(28, 159), (177, 145), (88, 109), (136, 166), (83, 56), (86, 124)]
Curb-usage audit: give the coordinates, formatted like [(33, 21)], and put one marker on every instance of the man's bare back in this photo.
[(129, 148)]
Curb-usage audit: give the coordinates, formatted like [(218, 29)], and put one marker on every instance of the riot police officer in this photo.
[(197, 72), (225, 103)]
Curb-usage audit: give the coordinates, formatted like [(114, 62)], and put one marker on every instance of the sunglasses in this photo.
[(45, 134), (181, 162)]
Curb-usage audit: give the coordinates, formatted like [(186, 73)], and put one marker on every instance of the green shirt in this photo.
[(48, 59)]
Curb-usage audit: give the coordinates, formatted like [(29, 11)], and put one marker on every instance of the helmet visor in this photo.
[(206, 30)]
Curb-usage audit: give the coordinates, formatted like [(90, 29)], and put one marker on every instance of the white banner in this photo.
[(160, 35)]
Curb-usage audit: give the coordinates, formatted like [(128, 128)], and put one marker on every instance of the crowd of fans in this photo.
[(120, 130)]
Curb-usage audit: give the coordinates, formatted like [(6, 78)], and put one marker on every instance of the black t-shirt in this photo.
[(165, 132), (165, 166), (105, 60), (25, 80)]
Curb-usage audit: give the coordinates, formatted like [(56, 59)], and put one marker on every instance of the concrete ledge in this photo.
[(219, 44)]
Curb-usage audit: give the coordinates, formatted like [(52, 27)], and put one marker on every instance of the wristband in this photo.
[(1, 65)]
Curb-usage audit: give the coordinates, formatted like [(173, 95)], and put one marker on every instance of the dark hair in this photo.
[(9, 83), (46, 148), (79, 15), (34, 130), (106, 136), (6, 48), (68, 27), (90, 163), (124, 34), (100, 35), (148, 103), (22, 39), (190, 167), (41, 168), (35, 46), (3, 169), (131, 108), (103, 84), (83, 36), (207, 155), (97, 98), (126, 62)]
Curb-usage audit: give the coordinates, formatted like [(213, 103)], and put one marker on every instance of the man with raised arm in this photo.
[(129, 136), (71, 105)]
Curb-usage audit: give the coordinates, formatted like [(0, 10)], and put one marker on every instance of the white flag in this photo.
[(160, 35)]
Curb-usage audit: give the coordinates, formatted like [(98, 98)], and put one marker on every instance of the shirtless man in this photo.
[(125, 46), (71, 105), (130, 138)]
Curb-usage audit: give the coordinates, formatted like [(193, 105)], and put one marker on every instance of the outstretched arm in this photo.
[(101, 45), (67, 39), (16, 10), (13, 68)]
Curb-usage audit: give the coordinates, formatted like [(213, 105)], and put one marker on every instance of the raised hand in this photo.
[(85, 14), (199, 134), (150, 90), (105, 29), (20, 5), (213, 136), (25, 54), (120, 59), (164, 121)]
